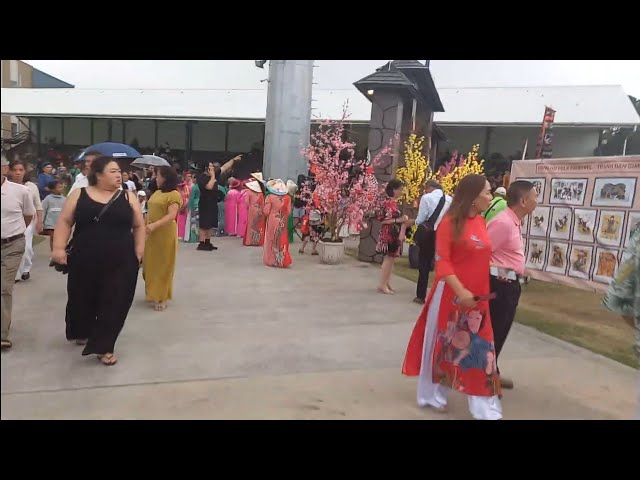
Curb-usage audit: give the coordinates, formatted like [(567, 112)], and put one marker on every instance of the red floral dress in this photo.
[(464, 353), (388, 238)]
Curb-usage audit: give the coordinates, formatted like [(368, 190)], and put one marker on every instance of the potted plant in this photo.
[(345, 188)]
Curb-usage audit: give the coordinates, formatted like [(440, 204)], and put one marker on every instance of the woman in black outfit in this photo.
[(208, 204), (108, 245)]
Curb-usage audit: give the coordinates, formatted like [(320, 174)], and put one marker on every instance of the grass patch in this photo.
[(573, 315)]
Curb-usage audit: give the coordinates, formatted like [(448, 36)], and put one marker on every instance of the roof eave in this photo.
[(140, 117), (523, 124)]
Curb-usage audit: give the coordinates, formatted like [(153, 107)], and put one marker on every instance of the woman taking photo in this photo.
[(451, 347), (162, 239), (107, 246), (18, 174), (392, 233)]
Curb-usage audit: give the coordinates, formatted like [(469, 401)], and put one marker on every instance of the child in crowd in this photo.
[(312, 227), (142, 198), (51, 208)]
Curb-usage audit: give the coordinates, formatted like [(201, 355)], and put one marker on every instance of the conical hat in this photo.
[(258, 176), (277, 187), (292, 188), (254, 186)]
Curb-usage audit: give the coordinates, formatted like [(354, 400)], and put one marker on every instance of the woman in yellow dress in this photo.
[(161, 247)]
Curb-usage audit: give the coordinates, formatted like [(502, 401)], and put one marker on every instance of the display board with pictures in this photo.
[(588, 209)]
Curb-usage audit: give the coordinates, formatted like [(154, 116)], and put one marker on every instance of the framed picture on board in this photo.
[(558, 258), (633, 225), (580, 260), (540, 222), (568, 191), (561, 220), (614, 192), (584, 225), (606, 265), (610, 227), (536, 253)]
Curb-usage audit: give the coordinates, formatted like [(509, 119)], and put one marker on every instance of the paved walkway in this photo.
[(242, 341)]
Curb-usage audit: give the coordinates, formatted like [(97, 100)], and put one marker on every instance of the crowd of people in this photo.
[(113, 222)]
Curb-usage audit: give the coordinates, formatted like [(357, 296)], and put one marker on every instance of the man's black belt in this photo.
[(11, 239)]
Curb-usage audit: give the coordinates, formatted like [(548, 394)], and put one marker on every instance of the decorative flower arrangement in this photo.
[(458, 167), (415, 171), (346, 187)]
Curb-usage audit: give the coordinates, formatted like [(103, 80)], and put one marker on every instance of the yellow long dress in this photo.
[(161, 248)]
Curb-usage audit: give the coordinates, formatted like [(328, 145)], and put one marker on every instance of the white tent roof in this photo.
[(606, 105)]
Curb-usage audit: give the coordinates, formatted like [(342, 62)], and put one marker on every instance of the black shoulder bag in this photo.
[(429, 225), (64, 269)]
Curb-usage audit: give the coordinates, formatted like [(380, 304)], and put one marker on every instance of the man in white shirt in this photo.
[(81, 179), (433, 207), (17, 211), (126, 179)]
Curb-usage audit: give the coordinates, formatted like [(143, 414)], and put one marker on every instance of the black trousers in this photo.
[(427, 250), (503, 310), (99, 298)]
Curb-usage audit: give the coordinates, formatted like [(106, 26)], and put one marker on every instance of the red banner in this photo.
[(544, 148)]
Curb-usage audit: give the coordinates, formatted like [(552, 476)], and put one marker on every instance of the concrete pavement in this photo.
[(243, 341)]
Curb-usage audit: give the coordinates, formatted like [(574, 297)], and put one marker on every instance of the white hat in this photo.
[(292, 188), (501, 191), (277, 187), (258, 176), (142, 193), (254, 186)]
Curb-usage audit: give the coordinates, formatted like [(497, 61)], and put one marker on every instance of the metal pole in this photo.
[(288, 123)]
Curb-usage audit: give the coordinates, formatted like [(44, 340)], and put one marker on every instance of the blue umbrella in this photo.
[(115, 150)]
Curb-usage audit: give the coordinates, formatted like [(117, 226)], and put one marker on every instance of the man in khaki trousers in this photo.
[(17, 210)]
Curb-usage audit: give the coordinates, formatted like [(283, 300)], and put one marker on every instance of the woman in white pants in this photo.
[(18, 172), (452, 347)]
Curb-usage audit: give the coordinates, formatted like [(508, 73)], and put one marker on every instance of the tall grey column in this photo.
[(288, 124)]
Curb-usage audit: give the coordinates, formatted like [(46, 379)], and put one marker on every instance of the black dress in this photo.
[(103, 272), (208, 204)]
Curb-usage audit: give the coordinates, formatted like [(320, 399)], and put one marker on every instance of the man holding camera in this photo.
[(17, 212)]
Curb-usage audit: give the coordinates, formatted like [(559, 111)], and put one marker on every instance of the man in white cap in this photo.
[(142, 198), (17, 211), (498, 204)]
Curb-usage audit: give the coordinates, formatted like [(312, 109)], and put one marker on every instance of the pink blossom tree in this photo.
[(346, 188)]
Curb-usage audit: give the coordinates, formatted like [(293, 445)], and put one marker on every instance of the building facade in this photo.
[(18, 74)]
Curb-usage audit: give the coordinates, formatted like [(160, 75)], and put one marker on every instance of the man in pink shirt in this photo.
[(508, 261)]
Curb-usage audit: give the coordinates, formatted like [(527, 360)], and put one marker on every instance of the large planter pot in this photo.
[(331, 253)]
